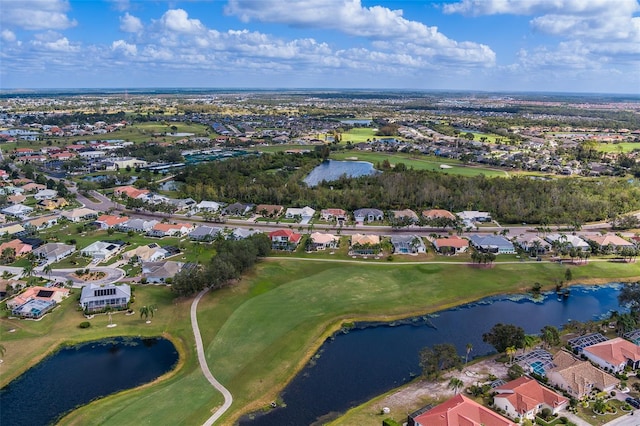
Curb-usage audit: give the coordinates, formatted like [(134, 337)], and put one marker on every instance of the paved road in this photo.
[(112, 275), (228, 398)]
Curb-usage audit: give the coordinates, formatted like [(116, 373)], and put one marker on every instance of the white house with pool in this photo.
[(97, 298)]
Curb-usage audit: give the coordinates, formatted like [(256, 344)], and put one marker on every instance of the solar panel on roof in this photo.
[(45, 293)]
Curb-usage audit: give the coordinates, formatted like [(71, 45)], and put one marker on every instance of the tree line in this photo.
[(278, 179), (231, 259)]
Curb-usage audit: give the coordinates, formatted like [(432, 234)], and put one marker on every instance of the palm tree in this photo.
[(455, 384), (3, 350), (147, 310), (530, 341), (510, 351), (47, 270), (469, 348), (28, 271)]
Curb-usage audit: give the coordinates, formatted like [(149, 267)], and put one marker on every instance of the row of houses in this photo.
[(522, 398), (306, 213), (525, 397)]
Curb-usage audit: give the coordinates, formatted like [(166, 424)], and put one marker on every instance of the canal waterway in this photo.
[(351, 368), (76, 375)]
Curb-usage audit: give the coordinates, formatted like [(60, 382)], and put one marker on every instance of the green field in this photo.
[(618, 147), (285, 309), (419, 163), (359, 134)]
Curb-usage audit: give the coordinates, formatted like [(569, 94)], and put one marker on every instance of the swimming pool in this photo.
[(538, 368)]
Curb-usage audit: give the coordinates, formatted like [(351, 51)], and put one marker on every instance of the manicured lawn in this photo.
[(360, 134), (618, 147), (419, 163), (261, 331)]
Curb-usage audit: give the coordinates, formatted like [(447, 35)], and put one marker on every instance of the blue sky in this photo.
[(492, 45)]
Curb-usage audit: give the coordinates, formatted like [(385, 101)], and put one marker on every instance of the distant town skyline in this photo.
[(588, 46)]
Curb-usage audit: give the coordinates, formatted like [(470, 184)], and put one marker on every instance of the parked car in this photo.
[(633, 402)]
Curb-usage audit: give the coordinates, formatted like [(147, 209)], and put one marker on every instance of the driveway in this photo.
[(111, 276)]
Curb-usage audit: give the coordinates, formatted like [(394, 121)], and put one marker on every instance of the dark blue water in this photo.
[(355, 367), (74, 376), (333, 170)]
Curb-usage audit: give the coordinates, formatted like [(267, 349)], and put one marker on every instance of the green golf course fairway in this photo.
[(261, 331)]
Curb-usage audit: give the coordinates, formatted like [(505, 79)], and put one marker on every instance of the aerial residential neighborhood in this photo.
[(320, 213)]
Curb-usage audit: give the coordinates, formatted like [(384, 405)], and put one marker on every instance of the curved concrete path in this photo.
[(228, 399)]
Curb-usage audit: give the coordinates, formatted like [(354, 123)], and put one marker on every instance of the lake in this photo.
[(76, 375), (332, 170), (350, 369), (357, 122)]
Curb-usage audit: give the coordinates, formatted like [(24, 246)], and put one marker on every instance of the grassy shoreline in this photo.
[(284, 309)]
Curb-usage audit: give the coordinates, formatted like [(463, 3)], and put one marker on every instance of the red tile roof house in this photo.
[(451, 245), (24, 151), (459, 411), (333, 214), (42, 293), (130, 191), (613, 355), (438, 214), (284, 239), (20, 248), (108, 221), (525, 397)]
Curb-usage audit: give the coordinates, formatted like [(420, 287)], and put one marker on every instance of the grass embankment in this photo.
[(260, 333)]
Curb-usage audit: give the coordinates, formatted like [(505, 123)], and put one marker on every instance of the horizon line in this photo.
[(162, 89)]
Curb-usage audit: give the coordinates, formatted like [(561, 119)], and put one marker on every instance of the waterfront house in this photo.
[(458, 411), (578, 378), (568, 240), (614, 355), (492, 244), (97, 298), (610, 240), (525, 397)]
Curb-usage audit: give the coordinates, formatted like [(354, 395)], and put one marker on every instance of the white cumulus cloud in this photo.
[(130, 24), (8, 36), (351, 17), (177, 20), (36, 14), (123, 46)]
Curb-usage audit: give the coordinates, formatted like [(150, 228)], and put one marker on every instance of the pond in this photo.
[(349, 369), (333, 170), (76, 375), (357, 122)]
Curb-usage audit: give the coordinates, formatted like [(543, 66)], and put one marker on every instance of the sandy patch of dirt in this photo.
[(419, 393)]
